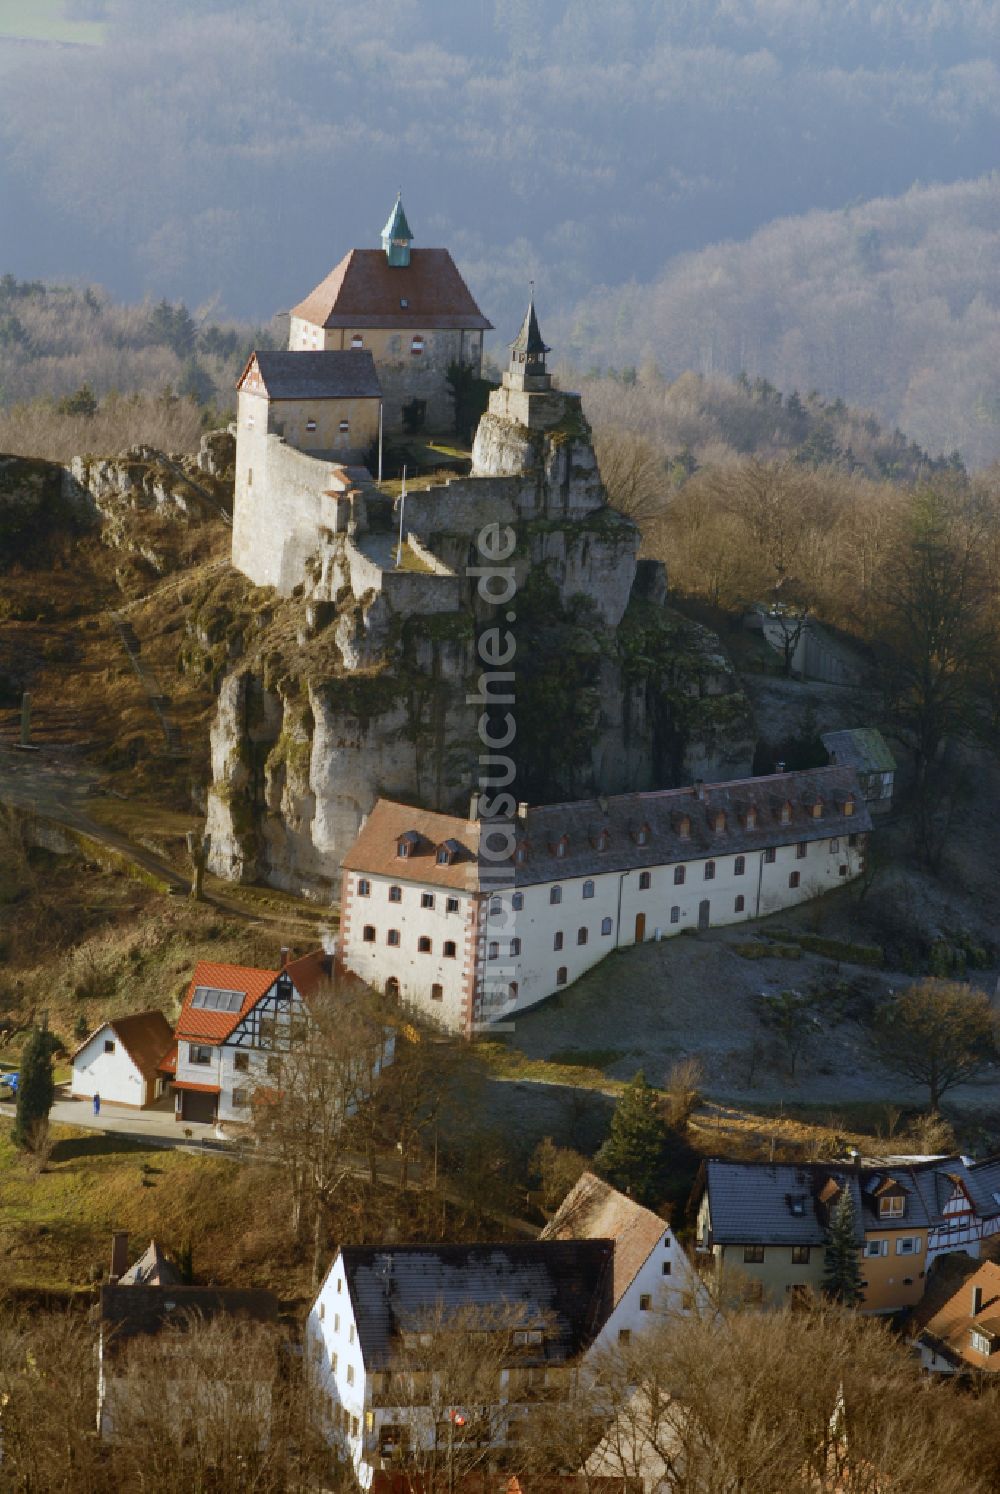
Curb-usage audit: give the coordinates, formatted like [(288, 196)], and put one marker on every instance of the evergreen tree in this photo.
[(35, 1086), (634, 1157), (841, 1271)]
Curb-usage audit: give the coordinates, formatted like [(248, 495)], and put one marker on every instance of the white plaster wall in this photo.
[(675, 1293), (416, 972), (331, 1330), (198, 1073), (112, 1075)]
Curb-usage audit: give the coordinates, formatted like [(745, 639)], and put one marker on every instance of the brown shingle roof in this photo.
[(364, 290), (375, 848), (593, 1210), (145, 1036), (949, 1330)]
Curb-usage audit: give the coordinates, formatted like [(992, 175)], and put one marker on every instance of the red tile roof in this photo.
[(364, 290), (200, 1089), (215, 1027), (950, 1329), (375, 848)]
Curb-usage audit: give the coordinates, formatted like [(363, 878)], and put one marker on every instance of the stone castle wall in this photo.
[(280, 508)]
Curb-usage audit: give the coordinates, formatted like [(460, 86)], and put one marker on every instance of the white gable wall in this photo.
[(676, 1290), (334, 1360), (113, 1075)]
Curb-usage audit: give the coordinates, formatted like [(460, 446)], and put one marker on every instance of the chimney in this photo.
[(977, 1301), (284, 956), (119, 1255)]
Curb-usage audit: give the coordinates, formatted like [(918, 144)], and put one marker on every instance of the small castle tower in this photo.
[(397, 236), (527, 356)]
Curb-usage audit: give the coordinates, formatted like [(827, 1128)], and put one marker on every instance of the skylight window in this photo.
[(211, 999)]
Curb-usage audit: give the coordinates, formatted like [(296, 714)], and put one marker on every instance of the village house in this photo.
[(429, 917), (604, 1270), (963, 1336), (123, 1061), (236, 1023), (865, 749), (410, 310), (769, 1222)]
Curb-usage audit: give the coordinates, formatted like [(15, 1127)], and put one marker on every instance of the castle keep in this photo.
[(362, 684)]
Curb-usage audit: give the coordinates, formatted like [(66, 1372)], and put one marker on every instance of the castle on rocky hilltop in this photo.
[(371, 690)]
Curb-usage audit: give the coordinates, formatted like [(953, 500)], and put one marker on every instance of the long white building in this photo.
[(473, 920)]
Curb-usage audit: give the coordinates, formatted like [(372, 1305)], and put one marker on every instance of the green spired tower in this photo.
[(397, 236)]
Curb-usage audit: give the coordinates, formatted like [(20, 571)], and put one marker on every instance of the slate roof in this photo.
[(949, 1330), (364, 290), (752, 1203), (145, 1036), (593, 1210), (151, 1269), (863, 748), (215, 1027), (127, 1311), (562, 1286), (529, 338), (622, 817), (396, 225), (316, 375)]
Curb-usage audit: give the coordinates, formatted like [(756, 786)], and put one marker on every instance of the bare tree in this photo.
[(633, 472), (938, 1033)]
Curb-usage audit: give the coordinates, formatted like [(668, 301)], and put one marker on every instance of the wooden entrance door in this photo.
[(704, 913), (640, 928)]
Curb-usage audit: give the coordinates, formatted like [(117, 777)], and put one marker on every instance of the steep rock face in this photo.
[(367, 684)]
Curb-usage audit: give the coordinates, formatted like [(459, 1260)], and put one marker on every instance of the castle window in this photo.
[(496, 905), (606, 925), (675, 914), (709, 870), (740, 903), (801, 850), (443, 856), (645, 881), (417, 346), (357, 341), (581, 936), (512, 991), (720, 821), (395, 894), (817, 808), (785, 813), (679, 875), (588, 889), (770, 854), (392, 937), (517, 902), (602, 840), (493, 952), (835, 844), (641, 836), (403, 303), (451, 905), (557, 939), (369, 933), (555, 894), (423, 944), (364, 887), (751, 817), (437, 992), (849, 806), (739, 866), (794, 879), (310, 425), (684, 827), (344, 427), (561, 976), (515, 946), (427, 899), (449, 949)]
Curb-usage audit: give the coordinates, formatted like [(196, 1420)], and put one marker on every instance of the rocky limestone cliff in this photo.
[(357, 687)]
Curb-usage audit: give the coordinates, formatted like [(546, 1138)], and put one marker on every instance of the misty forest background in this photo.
[(799, 191)]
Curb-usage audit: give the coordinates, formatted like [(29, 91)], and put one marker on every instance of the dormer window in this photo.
[(561, 846), (816, 809), (310, 425), (407, 844), (416, 347), (447, 852), (785, 813), (719, 821), (796, 1204), (684, 827), (344, 427), (750, 818), (892, 1206), (641, 836), (601, 840), (357, 341), (520, 854), (981, 1343), (849, 804)]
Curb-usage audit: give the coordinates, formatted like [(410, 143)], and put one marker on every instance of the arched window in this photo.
[(793, 879), (581, 936), (512, 990), (557, 939), (606, 925), (675, 914), (496, 905), (517, 901), (392, 991), (369, 933), (364, 887), (424, 944), (645, 881), (679, 872), (709, 870), (395, 894), (588, 889), (561, 976), (740, 903), (493, 952), (555, 894), (739, 866), (720, 821), (515, 946), (449, 949)]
